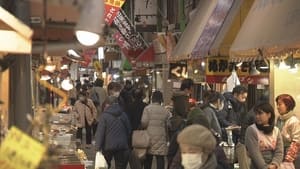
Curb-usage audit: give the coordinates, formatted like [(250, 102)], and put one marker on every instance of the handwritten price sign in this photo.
[(20, 151)]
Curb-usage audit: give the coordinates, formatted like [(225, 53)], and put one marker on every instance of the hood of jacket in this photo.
[(211, 162), (114, 110)]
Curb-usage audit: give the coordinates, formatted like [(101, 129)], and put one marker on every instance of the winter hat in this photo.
[(197, 136)]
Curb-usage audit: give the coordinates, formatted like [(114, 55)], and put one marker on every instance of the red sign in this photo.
[(243, 79), (112, 7), (126, 48)]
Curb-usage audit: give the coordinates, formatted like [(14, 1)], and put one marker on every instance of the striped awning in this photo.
[(271, 29), (197, 38)]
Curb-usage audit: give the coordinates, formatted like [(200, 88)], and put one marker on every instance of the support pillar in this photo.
[(20, 78)]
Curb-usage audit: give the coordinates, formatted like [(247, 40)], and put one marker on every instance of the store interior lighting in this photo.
[(50, 67), (239, 64), (91, 22), (253, 70), (66, 84), (101, 53), (264, 64), (294, 67), (283, 65)]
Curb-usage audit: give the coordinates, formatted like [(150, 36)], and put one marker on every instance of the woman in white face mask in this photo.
[(197, 146)]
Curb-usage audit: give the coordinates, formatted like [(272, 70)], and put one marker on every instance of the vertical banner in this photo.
[(112, 8), (127, 30), (126, 48)]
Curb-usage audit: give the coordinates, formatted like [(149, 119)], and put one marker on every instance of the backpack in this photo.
[(95, 98)]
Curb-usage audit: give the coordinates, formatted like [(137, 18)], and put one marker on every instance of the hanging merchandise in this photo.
[(232, 81)]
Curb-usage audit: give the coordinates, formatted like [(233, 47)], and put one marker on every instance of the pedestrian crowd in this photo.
[(219, 133)]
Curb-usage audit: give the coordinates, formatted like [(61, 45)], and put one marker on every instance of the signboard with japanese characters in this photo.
[(129, 40), (218, 69), (126, 29), (178, 70), (112, 8)]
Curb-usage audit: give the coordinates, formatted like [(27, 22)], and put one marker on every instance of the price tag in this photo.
[(20, 151)]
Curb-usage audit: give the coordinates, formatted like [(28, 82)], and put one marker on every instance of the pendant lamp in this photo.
[(91, 22)]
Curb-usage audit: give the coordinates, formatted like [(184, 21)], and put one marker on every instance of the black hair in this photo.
[(239, 89), (186, 84), (98, 82), (266, 108), (157, 97)]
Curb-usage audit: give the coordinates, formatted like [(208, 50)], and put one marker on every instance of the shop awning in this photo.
[(201, 31), (230, 28), (15, 36), (193, 30), (271, 26)]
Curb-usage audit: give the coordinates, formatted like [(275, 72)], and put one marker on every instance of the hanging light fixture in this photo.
[(66, 84), (283, 65), (294, 67), (253, 70), (45, 75), (91, 22)]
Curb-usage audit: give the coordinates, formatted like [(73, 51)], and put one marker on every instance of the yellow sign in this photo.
[(115, 3), (20, 151)]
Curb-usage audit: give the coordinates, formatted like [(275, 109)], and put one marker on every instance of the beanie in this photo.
[(198, 136)]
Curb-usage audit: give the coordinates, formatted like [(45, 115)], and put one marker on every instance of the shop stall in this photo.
[(271, 32)]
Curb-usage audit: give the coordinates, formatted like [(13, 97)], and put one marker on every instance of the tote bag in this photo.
[(140, 139)]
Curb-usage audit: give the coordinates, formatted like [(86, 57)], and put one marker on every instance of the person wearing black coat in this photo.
[(113, 133)]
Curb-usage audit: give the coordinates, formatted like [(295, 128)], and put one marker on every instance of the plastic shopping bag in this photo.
[(100, 162), (287, 165)]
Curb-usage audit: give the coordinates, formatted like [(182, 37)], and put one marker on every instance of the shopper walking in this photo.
[(154, 120), (98, 96), (113, 133), (85, 113), (289, 125), (263, 139)]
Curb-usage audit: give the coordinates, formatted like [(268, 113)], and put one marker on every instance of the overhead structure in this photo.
[(201, 31), (15, 36), (271, 29), (230, 28)]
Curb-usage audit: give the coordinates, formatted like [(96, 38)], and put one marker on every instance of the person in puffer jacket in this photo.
[(154, 120), (113, 133)]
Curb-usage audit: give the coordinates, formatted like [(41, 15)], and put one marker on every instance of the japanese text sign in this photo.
[(20, 151), (112, 8), (127, 30)]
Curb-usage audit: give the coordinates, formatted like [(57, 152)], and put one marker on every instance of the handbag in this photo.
[(140, 139), (100, 162), (287, 165)]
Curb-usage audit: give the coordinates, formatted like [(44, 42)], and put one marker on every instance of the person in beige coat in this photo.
[(154, 119), (85, 113)]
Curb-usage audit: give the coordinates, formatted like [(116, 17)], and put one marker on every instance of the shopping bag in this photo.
[(287, 165), (140, 139), (100, 162)]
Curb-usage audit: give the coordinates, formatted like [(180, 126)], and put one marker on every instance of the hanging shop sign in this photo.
[(125, 47), (20, 151), (178, 70), (218, 69), (126, 29), (112, 7)]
